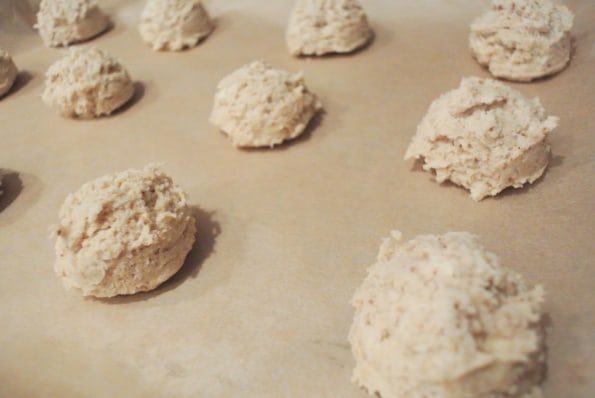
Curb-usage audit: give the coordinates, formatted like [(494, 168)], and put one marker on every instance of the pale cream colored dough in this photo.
[(87, 83), (8, 72), (63, 22), (522, 40), (123, 233), (484, 136), (318, 27), (258, 105), (174, 24), (439, 317)]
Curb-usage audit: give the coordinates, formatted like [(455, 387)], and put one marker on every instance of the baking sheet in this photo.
[(261, 306)]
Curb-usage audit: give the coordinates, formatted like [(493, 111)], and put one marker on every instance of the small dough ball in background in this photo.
[(259, 106), (123, 233), (439, 317), (63, 22), (522, 40), (174, 24), (484, 136), (87, 83), (8, 72), (318, 27)]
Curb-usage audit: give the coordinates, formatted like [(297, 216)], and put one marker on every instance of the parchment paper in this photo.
[(261, 306)]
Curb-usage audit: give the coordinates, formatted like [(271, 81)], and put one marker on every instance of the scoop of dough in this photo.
[(439, 317), (258, 105), (123, 233), (8, 72), (87, 83), (63, 22), (174, 24), (522, 39), (484, 136), (319, 27)]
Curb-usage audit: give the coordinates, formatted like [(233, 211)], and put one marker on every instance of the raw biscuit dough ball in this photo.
[(87, 83), (8, 72), (258, 105), (123, 233), (439, 317), (319, 27), (63, 22), (522, 40), (174, 24), (484, 136)]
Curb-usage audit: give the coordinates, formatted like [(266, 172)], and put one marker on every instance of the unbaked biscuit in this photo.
[(174, 24), (484, 136), (87, 83), (318, 27), (259, 106), (123, 233), (439, 317), (522, 40), (63, 22), (8, 72)]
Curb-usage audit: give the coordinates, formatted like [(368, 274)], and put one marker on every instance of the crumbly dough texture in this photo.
[(8, 72), (123, 233), (522, 40), (484, 136), (258, 105), (174, 24), (318, 27), (87, 83), (439, 317), (63, 22)]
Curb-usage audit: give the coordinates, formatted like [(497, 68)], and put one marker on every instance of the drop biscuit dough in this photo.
[(64, 22), (318, 27), (522, 40), (123, 233), (259, 106), (8, 72), (174, 24), (484, 136), (87, 83), (439, 317)]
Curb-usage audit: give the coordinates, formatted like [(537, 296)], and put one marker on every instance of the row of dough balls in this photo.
[(475, 324), (484, 135), (315, 27), (516, 39)]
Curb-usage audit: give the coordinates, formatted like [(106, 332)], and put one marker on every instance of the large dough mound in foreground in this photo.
[(174, 24), (258, 105), (63, 22), (87, 83), (522, 39), (123, 233), (319, 27), (439, 317), (484, 136), (8, 72)]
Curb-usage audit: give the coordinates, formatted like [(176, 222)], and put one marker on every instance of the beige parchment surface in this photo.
[(261, 306)]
